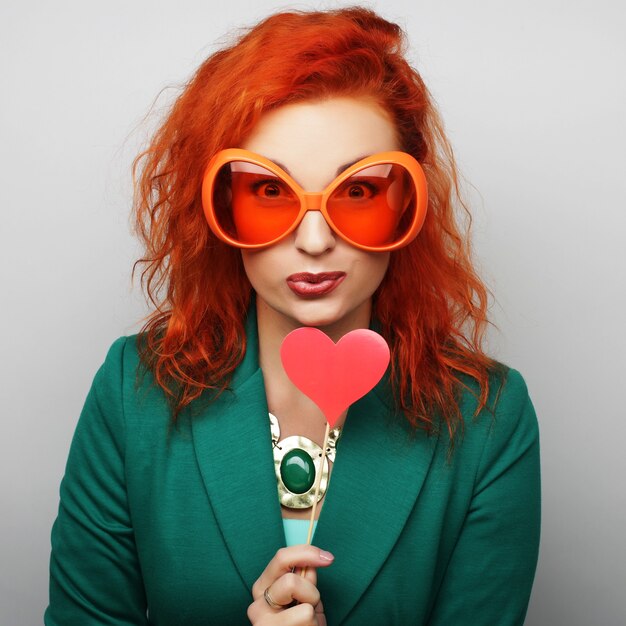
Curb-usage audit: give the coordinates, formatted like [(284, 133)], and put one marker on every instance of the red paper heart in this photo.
[(334, 375)]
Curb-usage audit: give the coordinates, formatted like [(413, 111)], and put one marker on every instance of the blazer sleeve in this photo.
[(95, 576), (490, 574)]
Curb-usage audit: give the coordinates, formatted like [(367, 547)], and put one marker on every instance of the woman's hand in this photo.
[(281, 584)]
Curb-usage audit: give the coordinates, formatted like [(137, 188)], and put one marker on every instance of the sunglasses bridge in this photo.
[(312, 200)]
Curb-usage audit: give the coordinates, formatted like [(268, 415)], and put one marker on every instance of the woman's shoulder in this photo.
[(123, 366), (123, 380), (509, 395), (506, 392), (122, 355), (507, 421)]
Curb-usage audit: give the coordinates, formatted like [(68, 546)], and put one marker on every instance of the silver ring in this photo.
[(271, 602)]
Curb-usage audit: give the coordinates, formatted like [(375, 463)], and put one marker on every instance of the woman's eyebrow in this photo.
[(282, 167), (341, 168), (345, 166)]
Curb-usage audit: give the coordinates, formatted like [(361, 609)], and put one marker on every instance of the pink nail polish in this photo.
[(326, 556)]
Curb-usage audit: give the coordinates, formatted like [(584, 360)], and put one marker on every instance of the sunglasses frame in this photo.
[(315, 201)]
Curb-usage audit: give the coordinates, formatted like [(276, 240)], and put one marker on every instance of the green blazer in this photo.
[(172, 526)]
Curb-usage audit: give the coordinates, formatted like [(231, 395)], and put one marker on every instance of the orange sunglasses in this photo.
[(377, 204)]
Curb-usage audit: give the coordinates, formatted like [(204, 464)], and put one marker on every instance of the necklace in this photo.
[(297, 461)]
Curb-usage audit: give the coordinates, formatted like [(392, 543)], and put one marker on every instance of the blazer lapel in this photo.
[(234, 452), (378, 473)]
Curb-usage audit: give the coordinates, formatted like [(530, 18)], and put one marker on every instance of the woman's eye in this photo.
[(361, 190), (357, 191), (269, 189)]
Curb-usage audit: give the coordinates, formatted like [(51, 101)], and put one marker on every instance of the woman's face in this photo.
[(312, 277)]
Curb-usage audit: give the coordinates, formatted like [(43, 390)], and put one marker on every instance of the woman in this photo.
[(169, 511)]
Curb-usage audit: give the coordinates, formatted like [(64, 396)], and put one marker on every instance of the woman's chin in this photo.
[(334, 321)]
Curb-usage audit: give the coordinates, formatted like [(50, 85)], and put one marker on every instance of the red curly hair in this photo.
[(431, 304)]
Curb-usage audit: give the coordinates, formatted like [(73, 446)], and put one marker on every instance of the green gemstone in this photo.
[(297, 471)]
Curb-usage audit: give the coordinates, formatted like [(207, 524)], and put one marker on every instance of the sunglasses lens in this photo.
[(252, 205), (376, 206)]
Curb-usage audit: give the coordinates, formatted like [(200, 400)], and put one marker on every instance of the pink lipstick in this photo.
[(305, 284)]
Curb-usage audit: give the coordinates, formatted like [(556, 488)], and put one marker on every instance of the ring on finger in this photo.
[(271, 602)]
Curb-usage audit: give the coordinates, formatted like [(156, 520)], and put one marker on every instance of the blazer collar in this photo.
[(377, 476)]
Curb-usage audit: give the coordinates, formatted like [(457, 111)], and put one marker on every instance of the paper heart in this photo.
[(334, 375)]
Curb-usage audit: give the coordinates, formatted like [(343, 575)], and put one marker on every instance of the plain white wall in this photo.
[(533, 95)]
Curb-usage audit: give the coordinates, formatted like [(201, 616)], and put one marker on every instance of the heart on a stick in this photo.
[(334, 375)]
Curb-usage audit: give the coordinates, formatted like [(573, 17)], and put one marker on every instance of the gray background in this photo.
[(533, 95)]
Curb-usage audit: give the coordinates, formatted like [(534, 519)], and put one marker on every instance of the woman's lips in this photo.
[(306, 284)]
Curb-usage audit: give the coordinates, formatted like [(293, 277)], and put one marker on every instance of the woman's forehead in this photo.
[(314, 141)]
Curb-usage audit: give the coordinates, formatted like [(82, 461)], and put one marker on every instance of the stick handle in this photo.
[(317, 491)]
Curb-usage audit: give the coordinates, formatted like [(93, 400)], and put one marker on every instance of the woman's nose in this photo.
[(313, 235)]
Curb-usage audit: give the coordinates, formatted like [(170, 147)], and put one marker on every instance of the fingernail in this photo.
[(326, 556)]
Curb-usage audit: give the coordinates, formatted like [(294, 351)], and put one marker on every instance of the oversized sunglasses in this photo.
[(377, 204)]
